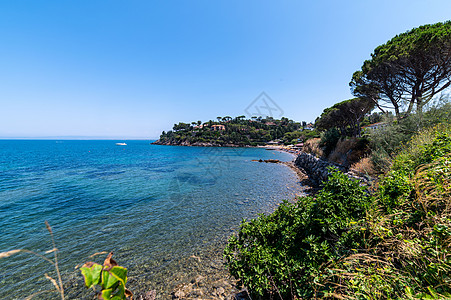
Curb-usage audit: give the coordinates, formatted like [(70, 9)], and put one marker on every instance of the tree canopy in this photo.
[(408, 70), (237, 131), (345, 116)]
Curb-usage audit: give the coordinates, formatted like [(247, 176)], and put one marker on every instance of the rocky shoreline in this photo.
[(318, 169), (308, 186), (196, 144)]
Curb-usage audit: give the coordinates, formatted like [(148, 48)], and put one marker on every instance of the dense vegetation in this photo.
[(407, 71), (377, 147), (237, 131), (347, 243), (388, 241), (386, 142), (284, 253), (346, 116)]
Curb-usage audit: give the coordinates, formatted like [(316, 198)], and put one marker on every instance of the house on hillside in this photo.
[(309, 126), (217, 127), (374, 126), (205, 125)]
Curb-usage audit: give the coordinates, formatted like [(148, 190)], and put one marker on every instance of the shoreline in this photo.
[(267, 147), (225, 286)]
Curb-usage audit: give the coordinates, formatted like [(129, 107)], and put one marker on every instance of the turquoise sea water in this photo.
[(154, 206)]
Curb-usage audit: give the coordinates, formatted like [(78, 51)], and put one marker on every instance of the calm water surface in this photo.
[(154, 206)]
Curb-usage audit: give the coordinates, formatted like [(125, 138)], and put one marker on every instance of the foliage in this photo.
[(110, 277), (389, 140), (311, 146), (349, 151), (309, 134), (346, 244), (407, 252), (364, 166), (424, 148), (413, 66), (372, 118), (329, 140), (236, 131), (346, 116), (285, 252)]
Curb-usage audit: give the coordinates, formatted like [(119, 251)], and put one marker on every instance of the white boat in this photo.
[(121, 144)]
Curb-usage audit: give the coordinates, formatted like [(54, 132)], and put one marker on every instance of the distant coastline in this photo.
[(195, 144), (238, 132)]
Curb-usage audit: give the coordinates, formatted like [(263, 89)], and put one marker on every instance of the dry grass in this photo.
[(415, 146), (403, 250), (347, 152), (364, 166), (311, 146), (58, 285), (433, 188)]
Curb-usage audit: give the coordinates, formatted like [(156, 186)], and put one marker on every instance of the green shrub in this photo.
[(346, 244), (286, 252), (407, 252), (424, 148), (387, 142), (394, 191), (310, 134), (329, 140)]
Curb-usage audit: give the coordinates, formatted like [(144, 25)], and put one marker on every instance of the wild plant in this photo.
[(110, 277), (57, 284)]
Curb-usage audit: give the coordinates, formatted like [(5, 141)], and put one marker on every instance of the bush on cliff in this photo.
[(285, 253), (329, 140), (387, 142), (345, 244), (408, 250)]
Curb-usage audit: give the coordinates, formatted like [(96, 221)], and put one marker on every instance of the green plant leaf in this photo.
[(91, 274), (114, 275), (106, 294)]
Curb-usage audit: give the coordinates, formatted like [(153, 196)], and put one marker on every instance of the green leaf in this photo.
[(106, 294), (91, 275), (114, 275), (120, 294), (433, 293)]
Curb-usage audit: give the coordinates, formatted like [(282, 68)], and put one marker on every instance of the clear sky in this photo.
[(131, 69)]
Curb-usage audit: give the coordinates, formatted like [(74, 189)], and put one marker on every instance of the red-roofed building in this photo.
[(218, 127)]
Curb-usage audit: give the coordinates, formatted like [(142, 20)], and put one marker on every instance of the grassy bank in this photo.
[(348, 243)]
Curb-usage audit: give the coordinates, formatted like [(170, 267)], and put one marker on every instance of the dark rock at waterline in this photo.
[(274, 161)]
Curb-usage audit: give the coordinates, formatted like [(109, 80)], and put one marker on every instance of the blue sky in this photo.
[(131, 69)]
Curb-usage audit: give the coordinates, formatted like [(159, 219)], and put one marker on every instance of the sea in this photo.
[(164, 211)]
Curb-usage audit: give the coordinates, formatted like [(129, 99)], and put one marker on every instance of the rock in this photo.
[(178, 294), (151, 295), (243, 295), (317, 169), (197, 279), (220, 291), (274, 161)]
